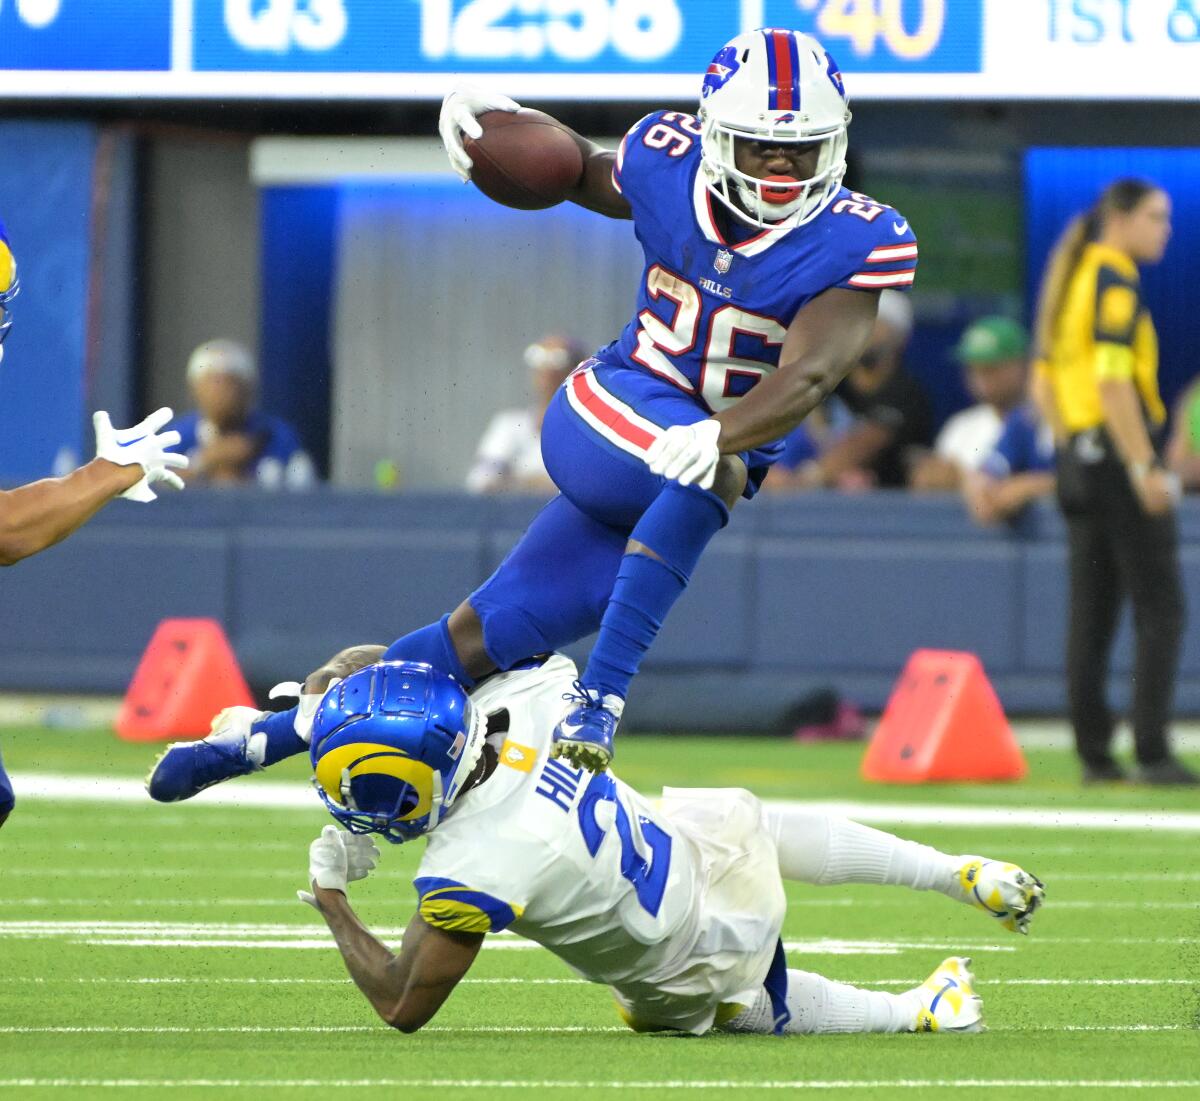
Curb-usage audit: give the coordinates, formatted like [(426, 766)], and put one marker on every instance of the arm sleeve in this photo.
[(456, 908), (1118, 305)]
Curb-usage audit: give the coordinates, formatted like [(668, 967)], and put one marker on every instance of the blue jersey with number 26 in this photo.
[(712, 314)]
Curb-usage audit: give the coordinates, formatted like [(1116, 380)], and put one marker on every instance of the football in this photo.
[(525, 159)]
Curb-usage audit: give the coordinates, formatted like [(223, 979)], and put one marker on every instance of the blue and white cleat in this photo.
[(1010, 894), (187, 768), (947, 999), (584, 735)]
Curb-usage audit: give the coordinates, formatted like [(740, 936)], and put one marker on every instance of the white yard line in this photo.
[(268, 795), (1121, 877), (67, 1030), (464, 1030), (207, 980), (108, 904), (598, 1084), (164, 934), (1035, 941)]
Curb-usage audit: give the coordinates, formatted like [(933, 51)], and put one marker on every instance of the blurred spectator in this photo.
[(1183, 450), (228, 440), (993, 354), (1019, 469), (509, 458), (891, 415), (806, 442)]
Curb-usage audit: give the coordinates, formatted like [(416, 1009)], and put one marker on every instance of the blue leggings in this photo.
[(555, 585)]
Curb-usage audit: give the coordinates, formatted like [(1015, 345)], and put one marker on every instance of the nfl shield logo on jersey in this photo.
[(723, 261)]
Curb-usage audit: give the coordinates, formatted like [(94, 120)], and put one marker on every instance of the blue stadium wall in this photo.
[(796, 594)]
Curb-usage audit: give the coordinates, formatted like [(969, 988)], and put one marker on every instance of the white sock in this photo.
[(818, 1005), (817, 848)]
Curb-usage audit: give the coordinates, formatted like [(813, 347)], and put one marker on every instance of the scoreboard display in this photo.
[(589, 49)]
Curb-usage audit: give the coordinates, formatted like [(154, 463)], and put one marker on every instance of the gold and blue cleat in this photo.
[(1010, 894), (948, 1002)]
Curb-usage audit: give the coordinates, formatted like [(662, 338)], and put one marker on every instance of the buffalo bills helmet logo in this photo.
[(780, 119), (721, 71), (835, 76)]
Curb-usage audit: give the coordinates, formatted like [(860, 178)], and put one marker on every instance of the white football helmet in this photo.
[(773, 85)]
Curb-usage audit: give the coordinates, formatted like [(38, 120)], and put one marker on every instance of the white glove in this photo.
[(458, 117), (687, 453), (144, 445), (337, 858)]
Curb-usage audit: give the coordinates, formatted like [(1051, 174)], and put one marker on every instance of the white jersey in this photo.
[(677, 906)]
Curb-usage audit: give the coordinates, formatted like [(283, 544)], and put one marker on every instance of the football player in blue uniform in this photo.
[(760, 289), (127, 463)]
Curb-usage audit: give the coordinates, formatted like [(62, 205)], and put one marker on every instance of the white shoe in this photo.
[(1010, 894), (948, 1002)]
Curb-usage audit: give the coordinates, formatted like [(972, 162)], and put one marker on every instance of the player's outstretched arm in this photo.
[(825, 339), (459, 116), (36, 516), (408, 989), (128, 461)]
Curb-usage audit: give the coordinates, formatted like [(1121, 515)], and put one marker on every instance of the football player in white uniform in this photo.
[(676, 905)]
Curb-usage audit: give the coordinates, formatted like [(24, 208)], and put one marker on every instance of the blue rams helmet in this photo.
[(392, 746), (10, 285)]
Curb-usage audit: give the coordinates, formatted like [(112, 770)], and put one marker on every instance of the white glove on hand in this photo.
[(337, 858), (458, 117), (144, 445), (687, 453)]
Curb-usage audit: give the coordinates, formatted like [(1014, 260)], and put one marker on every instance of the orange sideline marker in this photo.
[(943, 723), (187, 674)]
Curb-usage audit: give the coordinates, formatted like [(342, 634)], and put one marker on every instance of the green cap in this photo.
[(992, 340)]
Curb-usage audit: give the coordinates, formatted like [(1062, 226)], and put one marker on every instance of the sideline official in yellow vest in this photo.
[(1097, 383)]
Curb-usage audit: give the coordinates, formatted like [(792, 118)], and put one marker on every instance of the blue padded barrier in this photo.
[(797, 593), (867, 603)]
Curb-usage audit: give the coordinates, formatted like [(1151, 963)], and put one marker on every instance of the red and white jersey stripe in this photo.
[(608, 415), (886, 254), (889, 266), (869, 280)]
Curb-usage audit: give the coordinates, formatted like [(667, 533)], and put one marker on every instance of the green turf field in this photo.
[(159, 951)]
